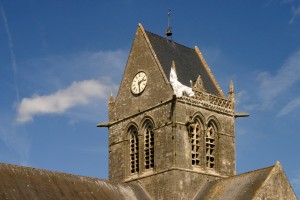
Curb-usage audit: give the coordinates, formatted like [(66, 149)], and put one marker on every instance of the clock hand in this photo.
[(139, 87), (141, 80), (139, 83)]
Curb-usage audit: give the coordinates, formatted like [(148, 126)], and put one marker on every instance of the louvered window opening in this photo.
[(194, 132), (210, 147), (134, 150), (149, 146)]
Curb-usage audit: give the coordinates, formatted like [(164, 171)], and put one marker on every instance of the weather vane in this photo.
[(169, 31)]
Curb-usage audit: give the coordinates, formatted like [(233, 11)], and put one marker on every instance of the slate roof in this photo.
[(187, 61), (17, 182), (243, 186)]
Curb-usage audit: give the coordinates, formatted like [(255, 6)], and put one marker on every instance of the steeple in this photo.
[(156, 137), (111, 105), (231, 94)]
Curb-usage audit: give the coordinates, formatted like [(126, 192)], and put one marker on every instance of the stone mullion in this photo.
[(151, 153)]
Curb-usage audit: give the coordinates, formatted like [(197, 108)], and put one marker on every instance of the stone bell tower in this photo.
[(171, 128)]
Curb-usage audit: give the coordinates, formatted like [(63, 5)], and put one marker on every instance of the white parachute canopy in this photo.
[(179, 89)]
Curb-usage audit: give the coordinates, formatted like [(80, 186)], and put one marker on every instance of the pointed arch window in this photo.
[(195, 137), (149, 145), (134, 149), (210, 145)]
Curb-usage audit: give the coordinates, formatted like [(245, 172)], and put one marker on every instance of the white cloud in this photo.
[(110, 59), (241, 96), (291, 106), (287, 76), (295, 14), (57, 82), (77, 94), (49, 75), (294, 4)]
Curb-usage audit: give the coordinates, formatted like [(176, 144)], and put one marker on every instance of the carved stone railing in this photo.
[(210, 101)]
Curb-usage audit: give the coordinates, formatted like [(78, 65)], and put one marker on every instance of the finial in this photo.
[(111, 98), (111, 102), (198, 84), (231, 95), (231, 88), (169, 31)]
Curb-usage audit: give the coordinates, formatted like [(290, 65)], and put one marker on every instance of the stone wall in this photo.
[(175, 184)]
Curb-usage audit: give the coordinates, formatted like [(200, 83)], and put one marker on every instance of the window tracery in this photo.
[(210, 146), (134, 149), (149, 145), (195, 137)]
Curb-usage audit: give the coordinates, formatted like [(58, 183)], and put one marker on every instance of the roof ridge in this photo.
[(34, 183), (246, 173), (13, 166)]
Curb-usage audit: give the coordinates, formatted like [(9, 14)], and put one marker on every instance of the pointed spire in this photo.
[(231, 88), (198, 84), (111, 103), (231, 94), (111, 98)]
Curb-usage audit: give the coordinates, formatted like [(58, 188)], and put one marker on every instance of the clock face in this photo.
[(139, 83)]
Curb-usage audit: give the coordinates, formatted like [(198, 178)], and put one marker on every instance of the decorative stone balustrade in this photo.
[(210, 101)]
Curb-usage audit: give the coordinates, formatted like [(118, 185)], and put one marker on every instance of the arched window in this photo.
[(149, 145), (195, 138), (210, 145), (134, 149)]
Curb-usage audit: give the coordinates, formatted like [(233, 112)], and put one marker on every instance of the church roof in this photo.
[(17, 182), (241, 186), (189, 62), (245, 186)]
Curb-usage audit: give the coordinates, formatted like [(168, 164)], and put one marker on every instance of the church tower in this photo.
[(171, 128)]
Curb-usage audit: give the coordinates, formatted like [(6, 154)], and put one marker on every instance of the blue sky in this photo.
[(61, 59)]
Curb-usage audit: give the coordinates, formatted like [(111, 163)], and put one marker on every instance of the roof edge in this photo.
[(33, 169), (257, 192), (202, 59), (140, 185), (140, 26), (245, 173), (277, 166)]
